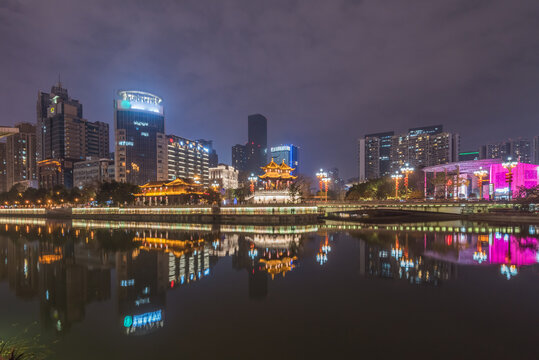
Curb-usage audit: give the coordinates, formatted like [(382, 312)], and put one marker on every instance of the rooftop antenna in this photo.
[(59, 82)]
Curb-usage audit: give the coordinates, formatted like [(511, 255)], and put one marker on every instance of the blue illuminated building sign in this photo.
[(288, 153), (142, 319)]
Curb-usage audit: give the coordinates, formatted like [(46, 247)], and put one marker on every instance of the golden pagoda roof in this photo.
[(272, 165), (274, 175), (274, 171), (181, 182), (285, 167), (153, 184)]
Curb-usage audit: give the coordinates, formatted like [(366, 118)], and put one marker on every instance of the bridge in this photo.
[(447, 208)]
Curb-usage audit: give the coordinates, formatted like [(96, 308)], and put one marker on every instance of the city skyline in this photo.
[(468, 66)]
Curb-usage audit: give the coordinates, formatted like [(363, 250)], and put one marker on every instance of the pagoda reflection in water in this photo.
[(66, 267)]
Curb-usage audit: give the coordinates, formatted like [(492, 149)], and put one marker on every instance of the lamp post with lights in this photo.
[(323, 181), (253, 179), (397, 178), (406, 170), (509, 165), (480, 174)]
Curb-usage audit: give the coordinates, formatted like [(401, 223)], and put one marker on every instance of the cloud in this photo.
[(323, 72)]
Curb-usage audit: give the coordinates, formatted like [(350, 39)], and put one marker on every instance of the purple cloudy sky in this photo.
[(324, 72)]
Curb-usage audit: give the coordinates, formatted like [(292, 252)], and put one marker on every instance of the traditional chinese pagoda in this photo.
[(277, 177), (175, 192), (277, 180)]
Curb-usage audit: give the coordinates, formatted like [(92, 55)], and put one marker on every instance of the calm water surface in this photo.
[(137, 291)]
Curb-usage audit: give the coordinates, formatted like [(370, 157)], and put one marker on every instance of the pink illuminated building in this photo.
[(457, 180), (523, 175)]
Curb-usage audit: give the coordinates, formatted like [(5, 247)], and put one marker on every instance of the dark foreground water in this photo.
[(157, 291)]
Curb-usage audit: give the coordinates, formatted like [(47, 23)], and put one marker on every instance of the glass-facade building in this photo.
[(288, 153), (138, 122)]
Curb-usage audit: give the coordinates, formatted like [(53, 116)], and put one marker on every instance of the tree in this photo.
[(117, 193), (241, 193), (300, 188), (212, 197), (379, 189)]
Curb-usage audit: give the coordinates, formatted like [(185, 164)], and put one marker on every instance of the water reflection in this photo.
[(425, 257), (67, 266)]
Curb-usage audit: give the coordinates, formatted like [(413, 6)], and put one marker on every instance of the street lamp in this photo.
[(323, 181), (253, 179), (480, 174), (406, 170), (396, 176), (509, 165)]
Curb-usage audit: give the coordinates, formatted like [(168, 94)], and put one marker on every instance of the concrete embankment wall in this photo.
[(267, 215)]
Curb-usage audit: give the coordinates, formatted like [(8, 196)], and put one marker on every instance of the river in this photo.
[(126, 290)]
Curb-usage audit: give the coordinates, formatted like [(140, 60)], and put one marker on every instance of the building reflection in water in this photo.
[(266, 256), (399, 261), (430, 257), (46, 263), (66, 268)]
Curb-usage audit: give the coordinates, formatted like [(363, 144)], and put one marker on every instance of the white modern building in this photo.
[(225, 175)]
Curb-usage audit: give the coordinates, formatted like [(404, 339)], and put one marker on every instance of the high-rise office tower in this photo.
[(60, 126), (63, 136), (257, 143), (424, 149), (21, 164), (187, 159), (287, 153), (138, 120), (97, 139), (239, 157), (375, 150), (384, 153)]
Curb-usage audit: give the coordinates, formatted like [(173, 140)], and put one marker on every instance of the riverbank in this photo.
[(255, 215)]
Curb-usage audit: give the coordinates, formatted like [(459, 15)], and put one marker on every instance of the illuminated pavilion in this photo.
[(277, 177), (277, 180), (175, 192)]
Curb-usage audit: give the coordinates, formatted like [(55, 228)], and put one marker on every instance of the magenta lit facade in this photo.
[(495, 185), (523, 175)]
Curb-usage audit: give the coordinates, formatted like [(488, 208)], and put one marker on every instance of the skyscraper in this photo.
[(424, 149), (21, 164), (138, 120), (257, 143), (97, 139), (239, 157), (288, 154), (63, 136), (60, 126), (383, 153), (375, 150), (187, 159)]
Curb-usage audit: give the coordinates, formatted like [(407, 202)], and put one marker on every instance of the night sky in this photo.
[(324, 72)]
